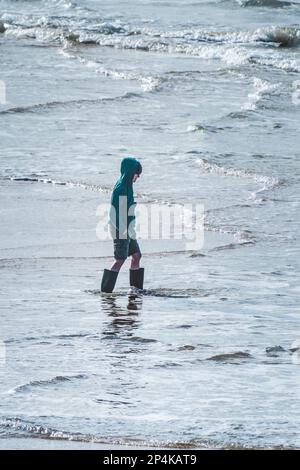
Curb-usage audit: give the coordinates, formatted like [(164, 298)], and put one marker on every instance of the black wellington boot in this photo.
[(137, 278), (108, 280)]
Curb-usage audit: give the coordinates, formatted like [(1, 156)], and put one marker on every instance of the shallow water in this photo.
[(205, 94)]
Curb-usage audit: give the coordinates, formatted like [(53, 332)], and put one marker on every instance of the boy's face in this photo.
[(135, 177)]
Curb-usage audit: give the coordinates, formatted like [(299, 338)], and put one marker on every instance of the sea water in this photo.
[(207, 95)]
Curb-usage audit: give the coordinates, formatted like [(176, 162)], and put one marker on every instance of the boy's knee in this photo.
[(137, 256), (119, 262)]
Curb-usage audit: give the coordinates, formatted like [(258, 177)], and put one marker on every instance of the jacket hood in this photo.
[(129, 167)]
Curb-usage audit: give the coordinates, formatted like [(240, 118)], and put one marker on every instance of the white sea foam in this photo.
[(49, 258), (226, 46), (268, 182), (148, 83), (262, 88), (38, 179)]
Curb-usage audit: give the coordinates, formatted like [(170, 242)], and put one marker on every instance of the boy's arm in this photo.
[(118, 215)]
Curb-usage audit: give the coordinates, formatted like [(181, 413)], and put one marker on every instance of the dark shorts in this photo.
[(125, 247)]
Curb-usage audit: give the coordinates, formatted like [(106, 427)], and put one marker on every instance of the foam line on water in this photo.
[(228, 46), (268, 182), (31, 428), (24, 388), (148, 82)]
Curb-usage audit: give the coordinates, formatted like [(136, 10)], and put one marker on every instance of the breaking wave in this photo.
[(87, 31), (262, 88), (268, 182), (228, 46), (284, 37)]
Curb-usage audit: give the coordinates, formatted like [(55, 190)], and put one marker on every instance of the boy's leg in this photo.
[(110, 275), (121, 247), (136, 274), (117, 265), (135, 261), (135, 253)]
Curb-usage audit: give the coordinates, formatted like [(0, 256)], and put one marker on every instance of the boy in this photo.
[(121, 226)]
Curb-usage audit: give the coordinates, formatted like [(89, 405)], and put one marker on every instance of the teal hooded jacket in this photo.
[(122, 199)]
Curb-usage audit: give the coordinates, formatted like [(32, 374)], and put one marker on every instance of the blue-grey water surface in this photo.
[(207, 95)]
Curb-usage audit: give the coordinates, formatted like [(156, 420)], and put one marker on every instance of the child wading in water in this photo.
[(121, 226)]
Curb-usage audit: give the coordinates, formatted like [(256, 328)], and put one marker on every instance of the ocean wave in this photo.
[(286, 36), (242, 237), (268, 182), (42, 107), (27, 429), (74, 184), (230, 47), (265, 3), (289, 65), (228, 55), (189, 39), (57, 29), (20, 427), (262, 89), (148, 82), (64, 29), (44, 383)]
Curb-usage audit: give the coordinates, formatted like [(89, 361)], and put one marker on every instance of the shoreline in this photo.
[(30, 443)]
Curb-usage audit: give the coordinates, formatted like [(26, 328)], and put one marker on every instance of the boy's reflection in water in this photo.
[(122, 320), (120, 345)]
